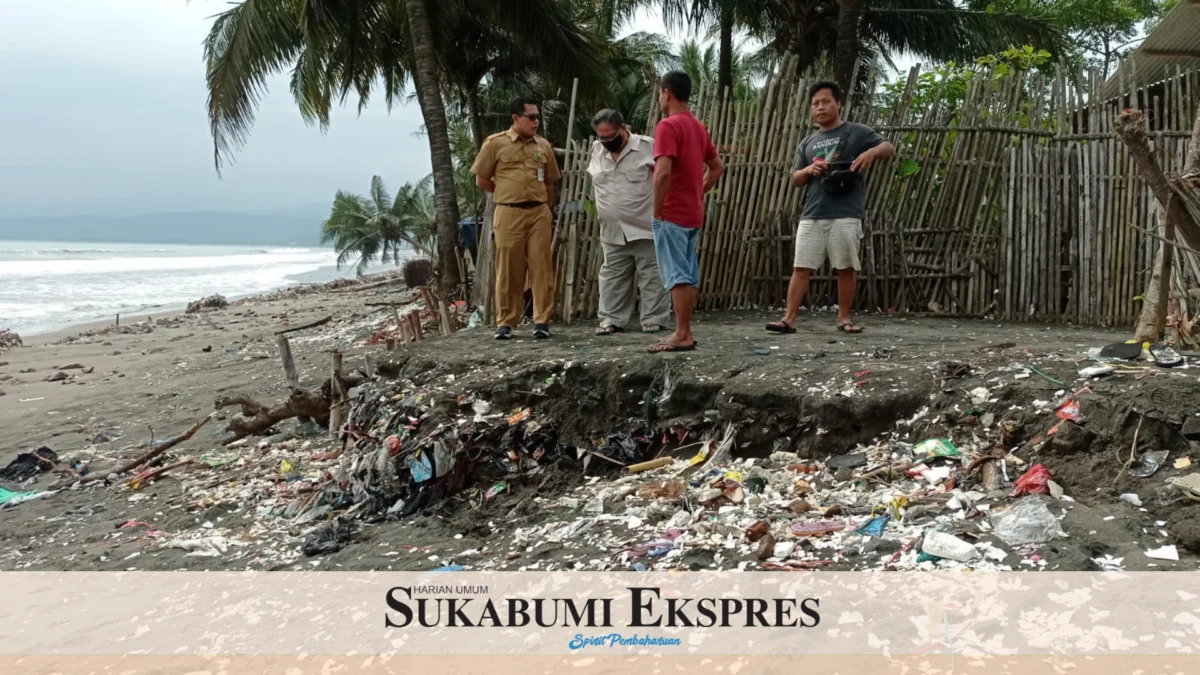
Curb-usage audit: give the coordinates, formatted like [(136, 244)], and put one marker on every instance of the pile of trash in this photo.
[(980, 477), (9, 339), (203, 304)]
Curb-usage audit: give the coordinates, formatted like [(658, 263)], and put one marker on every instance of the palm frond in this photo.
[(379, 195), (940, 30), (245, 46)]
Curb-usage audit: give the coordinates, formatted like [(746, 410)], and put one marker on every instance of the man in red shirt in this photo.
[(685, 167)]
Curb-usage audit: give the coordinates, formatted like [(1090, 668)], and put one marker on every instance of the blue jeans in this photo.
[(675, 248)]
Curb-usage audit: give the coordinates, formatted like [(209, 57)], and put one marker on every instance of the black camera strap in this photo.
[(843, 139)]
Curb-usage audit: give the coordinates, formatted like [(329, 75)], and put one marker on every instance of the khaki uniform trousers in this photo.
[(523, 247)]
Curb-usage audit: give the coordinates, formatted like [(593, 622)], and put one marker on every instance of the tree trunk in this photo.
[(725, 58), (1192, 165), (1153, 320), (846, 52), (433, 109), (475, 111), (1130, 126), (1174, 216)]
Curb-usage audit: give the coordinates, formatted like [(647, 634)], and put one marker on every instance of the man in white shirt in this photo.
[(622, 169)]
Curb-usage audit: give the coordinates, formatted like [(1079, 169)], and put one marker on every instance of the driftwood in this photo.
[(314, 324), (304, 404), (146, 477), (154, 452), (365, 287)]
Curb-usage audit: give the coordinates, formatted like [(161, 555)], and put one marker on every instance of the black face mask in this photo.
[(614, 144)]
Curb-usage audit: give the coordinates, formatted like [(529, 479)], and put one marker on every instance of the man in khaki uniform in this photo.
[(518, 166)]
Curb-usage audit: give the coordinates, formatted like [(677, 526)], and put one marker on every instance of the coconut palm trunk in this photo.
[(725, 59), (846, 52), (475, 111), (426, 78)]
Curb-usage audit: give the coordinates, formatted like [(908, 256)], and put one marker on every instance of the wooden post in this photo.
[(337, 395), (444, 314), (289, 365), (370, 365), (118, 318), (391, 344), (415, 323)]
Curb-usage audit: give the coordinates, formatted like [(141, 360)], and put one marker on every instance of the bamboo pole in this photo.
[(568, 302)]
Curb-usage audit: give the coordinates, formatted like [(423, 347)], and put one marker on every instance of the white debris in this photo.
[(1167, 552)]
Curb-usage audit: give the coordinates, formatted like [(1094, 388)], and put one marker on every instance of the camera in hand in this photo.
[(840, 179)]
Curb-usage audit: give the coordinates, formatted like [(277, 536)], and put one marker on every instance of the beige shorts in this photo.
[(838, 238)]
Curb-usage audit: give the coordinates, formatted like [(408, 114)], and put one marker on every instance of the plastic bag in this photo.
[(420, 467), (1027, 521), (943, 545), (874, 527), (1034, 481), (934, 448), (1149, 464)]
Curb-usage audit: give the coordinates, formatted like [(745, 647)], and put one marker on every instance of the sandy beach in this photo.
[(816, 393)]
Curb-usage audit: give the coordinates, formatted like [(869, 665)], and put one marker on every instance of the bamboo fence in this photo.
[(1018, 203)]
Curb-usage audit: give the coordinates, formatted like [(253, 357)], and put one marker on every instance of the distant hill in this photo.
[(194, 227)]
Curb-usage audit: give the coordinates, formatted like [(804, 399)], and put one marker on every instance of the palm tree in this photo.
[(864, 32), (335, 48), (426, 80), (724, 17), (366, 229)]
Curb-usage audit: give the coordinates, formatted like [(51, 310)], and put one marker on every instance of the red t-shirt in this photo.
[(682, 137)]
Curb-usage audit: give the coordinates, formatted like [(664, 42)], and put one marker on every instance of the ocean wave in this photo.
[(43, 252)]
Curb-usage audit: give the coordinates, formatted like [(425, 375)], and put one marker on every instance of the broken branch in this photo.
[(314, 324), (154, 452)]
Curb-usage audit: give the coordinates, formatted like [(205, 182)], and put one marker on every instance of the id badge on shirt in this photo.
[(541, 166), (541, 175)]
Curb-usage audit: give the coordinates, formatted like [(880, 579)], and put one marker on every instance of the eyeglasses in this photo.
[(532, 118)]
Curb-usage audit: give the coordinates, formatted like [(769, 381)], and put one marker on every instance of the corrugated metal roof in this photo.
[(1176, 42)]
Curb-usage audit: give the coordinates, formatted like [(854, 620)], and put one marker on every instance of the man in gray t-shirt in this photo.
[(831, 163)]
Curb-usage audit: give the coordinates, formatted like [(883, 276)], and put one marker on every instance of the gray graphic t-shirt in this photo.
[(819, 204)]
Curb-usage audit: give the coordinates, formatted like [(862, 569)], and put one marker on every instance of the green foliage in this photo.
[(1102, 31), (364, 230), (1014, 59)]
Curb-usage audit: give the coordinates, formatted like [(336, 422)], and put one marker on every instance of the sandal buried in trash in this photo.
[(780, 327), (652, 328), (609, 329), (1127, 351), (1165, 356)]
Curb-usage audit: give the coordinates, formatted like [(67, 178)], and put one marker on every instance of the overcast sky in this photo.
[(103, 112)]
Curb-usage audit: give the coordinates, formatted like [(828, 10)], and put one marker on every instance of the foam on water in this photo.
[(47, 285)]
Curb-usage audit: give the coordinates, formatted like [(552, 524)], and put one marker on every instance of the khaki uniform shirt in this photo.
[(520, 168), (624, 190)]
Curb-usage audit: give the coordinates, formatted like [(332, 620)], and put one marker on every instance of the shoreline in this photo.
[(77, 328)]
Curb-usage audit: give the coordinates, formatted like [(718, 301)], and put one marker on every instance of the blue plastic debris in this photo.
[(874, 527)]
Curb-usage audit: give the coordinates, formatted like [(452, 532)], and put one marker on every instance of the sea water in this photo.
[(45, 286)]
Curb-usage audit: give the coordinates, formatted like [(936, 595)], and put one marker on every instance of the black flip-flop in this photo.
[(671, 347), (1127, 351), (609, 330), (780, 327), (842, 328), (1165, 356)]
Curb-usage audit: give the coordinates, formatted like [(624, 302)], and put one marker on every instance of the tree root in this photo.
[(304, 404)]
